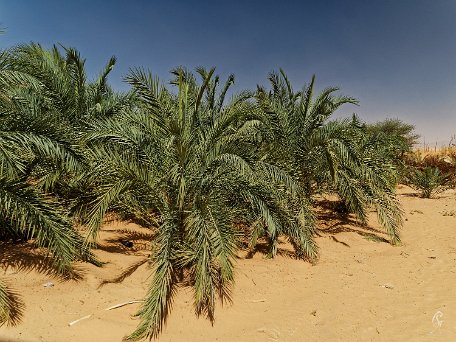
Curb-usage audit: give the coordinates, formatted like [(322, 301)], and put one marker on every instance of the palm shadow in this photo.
[(25, 257), (125, 274), (410, 194), (332, 221), (262, 247), (140, 241)]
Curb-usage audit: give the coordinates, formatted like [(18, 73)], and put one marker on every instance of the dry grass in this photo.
[(435, 152), (444, 159)]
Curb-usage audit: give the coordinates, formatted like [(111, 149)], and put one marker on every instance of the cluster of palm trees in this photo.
[(209, 172)]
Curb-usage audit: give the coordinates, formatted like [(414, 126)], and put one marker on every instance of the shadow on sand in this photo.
[(332, 222), (25, 257), (140, 240)]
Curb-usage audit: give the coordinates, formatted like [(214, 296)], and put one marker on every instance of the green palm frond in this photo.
[(11, 305), (429, 181), (27, 213), (324, 154)]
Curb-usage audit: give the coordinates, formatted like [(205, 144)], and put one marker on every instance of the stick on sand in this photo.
[(256, 301), (110, 308), (78, 320), (123, 304)]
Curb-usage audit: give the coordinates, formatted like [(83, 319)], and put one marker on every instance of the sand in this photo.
[(361, 289)]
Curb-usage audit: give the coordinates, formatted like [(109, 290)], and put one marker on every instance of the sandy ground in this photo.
[(360, 290)]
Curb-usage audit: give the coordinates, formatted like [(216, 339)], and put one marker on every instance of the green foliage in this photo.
[(45, 108), (187, 163), (429, 181), (395, 141), (209, 172), (25, 212), (34, 134), (401, 135), (39, 152), (336, 156), (11, 305), (444, 161), (5, 304)]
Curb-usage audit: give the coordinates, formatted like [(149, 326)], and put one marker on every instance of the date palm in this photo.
[(327, 155), (429, 181), (35, 137), (187, 163)]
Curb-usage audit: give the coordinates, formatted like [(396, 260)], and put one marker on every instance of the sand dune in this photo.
[(362, 289)]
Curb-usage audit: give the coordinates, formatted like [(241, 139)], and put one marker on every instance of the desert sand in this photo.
[(362, 289)]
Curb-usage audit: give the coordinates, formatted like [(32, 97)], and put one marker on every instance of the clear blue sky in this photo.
[(398, 57)]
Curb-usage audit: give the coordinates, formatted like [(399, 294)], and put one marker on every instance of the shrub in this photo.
[(429, 181)]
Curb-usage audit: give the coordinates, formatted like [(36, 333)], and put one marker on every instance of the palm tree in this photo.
[(187, 163), (38, 138), (328, 155)]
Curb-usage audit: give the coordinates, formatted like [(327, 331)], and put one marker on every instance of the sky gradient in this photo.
[(397, 57)]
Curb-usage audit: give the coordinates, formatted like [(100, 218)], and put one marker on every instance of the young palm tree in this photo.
[(187, 163), (331, 155), (34, 135), (429, 181)]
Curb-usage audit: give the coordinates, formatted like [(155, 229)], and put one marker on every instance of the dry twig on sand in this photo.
[(110, 308), (256, 301), (78, 320), (123, 304)]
